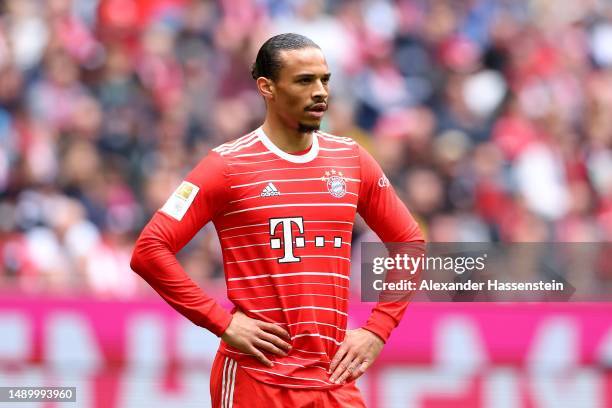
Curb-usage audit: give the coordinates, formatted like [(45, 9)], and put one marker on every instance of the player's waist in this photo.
[(299, 369)]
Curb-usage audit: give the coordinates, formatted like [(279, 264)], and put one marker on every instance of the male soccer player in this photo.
[(283, 199)]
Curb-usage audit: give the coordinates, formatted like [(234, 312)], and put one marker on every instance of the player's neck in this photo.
[(286, 139)]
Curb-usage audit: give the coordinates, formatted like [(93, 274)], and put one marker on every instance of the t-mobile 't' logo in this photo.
[(287, 241)]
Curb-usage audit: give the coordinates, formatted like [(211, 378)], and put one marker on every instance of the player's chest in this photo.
[(280, 189)]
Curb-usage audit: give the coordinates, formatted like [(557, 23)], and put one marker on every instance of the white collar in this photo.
[(294, 158)]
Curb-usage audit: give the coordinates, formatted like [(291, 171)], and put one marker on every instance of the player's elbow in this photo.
[(146, 250), (152, 250), (410, 235), (137, 260), (415, 233), (418, 235)]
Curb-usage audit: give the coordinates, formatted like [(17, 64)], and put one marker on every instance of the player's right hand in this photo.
[(256, 337)]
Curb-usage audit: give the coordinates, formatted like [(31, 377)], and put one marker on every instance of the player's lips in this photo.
[(317, 110), (318, 107), (316, 114)]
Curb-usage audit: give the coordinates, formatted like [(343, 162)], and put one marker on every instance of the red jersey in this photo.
[(285, 223)]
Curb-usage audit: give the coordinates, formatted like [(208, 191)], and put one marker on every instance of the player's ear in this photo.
[(265, 87)]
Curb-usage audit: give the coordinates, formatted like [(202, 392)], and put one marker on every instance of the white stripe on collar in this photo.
[(293, 158)]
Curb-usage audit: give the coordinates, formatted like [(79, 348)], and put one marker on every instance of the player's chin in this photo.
[(311, 120), (309, 126)]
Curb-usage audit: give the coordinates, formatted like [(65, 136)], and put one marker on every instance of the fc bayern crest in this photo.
[(336, 185)]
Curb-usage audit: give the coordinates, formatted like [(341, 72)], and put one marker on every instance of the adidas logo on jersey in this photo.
[(270, 190)]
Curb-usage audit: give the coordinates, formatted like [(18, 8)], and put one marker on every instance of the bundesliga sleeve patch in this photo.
[(180, 201)]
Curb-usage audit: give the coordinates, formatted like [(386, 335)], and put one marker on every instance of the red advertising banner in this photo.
[(143, 354)]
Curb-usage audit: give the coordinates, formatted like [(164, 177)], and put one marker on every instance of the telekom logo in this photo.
[(287, 240)]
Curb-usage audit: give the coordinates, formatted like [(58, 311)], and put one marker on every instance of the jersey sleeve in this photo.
[(389, 218), (197, 200)]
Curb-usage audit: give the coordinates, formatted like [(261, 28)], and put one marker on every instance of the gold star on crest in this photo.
[(340, 173), (333, 171), (327, 173)]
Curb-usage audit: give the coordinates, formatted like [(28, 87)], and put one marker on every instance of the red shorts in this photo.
[(232, 387)]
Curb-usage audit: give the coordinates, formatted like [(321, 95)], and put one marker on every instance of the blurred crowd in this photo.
[(492, 118)]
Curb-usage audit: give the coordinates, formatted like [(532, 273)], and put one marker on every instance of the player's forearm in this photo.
[(386, 315), (391, 307), (153, 260)]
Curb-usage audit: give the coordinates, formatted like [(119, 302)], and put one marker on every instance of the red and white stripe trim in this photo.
[(290, 284), (232, 144), (307, 221), (287, 181), (228, 383), (292, 205), (293, 168), (287, 376), (284, 275)]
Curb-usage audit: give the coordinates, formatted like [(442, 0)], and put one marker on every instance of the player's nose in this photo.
[(320, 92)]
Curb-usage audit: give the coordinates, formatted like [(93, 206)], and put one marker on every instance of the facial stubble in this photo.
[(305, 128)]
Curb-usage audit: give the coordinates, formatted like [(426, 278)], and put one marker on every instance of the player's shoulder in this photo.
[(334, 144), (237, 145), (329, 139)]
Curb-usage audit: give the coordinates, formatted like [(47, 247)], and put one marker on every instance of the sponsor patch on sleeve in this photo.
[(383, 181), (180, 201)]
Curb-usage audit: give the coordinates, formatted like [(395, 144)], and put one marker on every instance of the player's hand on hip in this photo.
[(356, 353), (256, 337)]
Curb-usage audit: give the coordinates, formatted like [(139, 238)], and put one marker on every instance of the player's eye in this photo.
[(304, 80)]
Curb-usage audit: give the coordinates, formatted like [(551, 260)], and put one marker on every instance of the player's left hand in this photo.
[(356, 353)]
